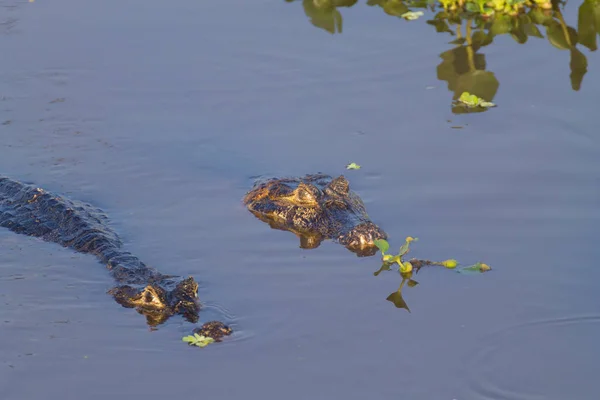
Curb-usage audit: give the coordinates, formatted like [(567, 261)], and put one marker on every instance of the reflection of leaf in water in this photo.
[(556, 35), (578, 68), (501, 24), (412, 283), (324, 14), (518, 34), (391, 7), (530, 28), (597, 16), (458, 41), (539, 16), (483, 84), (465, 72), (587, 24), (398, 301), (440, 25), (455, 62), (480, 39)]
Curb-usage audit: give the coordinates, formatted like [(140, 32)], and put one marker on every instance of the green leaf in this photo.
[(471, 100), (412, 15), (352, 166), (405, 248), (382, 245), (205, 342), (189, 339), (198, 337), (476, 268)]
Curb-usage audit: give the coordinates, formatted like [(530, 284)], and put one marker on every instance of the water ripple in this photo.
[(499, 368)]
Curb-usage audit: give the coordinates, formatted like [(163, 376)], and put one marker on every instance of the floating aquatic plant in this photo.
[(198, 340), (471, 101), (407, 266)]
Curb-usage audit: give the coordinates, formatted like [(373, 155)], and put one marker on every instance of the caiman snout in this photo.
[(361, 238)]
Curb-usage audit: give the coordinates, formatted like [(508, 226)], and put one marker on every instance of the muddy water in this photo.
[(161, 114)]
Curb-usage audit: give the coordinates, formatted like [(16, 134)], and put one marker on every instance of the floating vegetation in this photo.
[(474, 24), (412, 15), (198, 340), (471, 101), (407, 268), (353, 166)]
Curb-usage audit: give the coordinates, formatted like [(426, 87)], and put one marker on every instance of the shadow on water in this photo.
[(475, 24)]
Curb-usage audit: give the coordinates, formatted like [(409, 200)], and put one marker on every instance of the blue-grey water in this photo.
[(162, 112)]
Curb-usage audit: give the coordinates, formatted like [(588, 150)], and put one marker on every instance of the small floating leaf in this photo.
[(470, 100), (189, 339), (198, 340), (353, 166), (205, 342), (479, 267), (382, 245), (412, 15)]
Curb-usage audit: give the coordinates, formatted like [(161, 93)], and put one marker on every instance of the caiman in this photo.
[(315, 208), (29, 210)]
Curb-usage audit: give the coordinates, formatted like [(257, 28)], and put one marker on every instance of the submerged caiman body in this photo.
[(29, 210), (315, 207)]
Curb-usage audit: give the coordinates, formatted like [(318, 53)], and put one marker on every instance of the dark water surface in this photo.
[(161, 113)]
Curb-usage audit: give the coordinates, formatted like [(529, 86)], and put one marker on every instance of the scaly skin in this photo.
[(315, 208), (32, 211)]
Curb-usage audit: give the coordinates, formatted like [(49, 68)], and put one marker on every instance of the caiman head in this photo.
[(316, 207), (165, 297), (161, 299)]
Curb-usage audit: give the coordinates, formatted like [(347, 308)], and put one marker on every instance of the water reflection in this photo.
[(396, 297), (475, 24)]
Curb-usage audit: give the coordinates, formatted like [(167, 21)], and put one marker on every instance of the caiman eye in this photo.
[(306, 194), (340, 185)]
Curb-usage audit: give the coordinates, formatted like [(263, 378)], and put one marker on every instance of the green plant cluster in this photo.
[(405, 267), (198, 340)]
